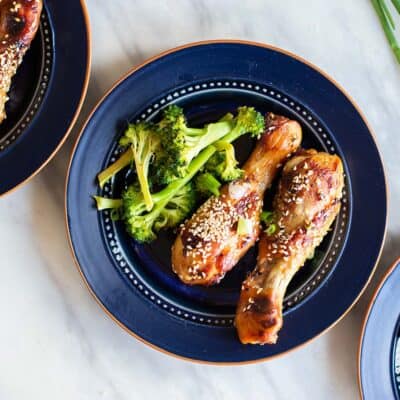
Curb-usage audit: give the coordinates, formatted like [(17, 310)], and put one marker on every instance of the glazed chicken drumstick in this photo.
[(306, 204), (210, 244), (19, 21)]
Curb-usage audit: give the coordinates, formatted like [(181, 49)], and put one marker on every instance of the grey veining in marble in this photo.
[(55, 342)]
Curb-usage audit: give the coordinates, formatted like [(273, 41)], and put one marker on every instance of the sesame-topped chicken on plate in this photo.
[(19, 22), (305, 206), (224, 228)]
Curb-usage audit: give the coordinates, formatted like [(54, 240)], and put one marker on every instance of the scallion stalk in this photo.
[(387, 23)]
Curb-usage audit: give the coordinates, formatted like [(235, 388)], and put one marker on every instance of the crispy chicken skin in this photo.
[(306, 204), (208, 245), (19, 21)]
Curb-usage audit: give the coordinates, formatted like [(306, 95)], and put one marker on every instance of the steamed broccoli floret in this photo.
[(223, 164), (165, 169), (182, 143), (171, 205), (247, 120), (177, 209), (207, 184), (144, 142), (142, 225)]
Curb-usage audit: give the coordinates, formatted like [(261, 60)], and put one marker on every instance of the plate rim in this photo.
[(377, 290), (160, 55), (78, 109)]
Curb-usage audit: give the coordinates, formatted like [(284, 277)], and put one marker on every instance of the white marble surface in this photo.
[(55, 342)]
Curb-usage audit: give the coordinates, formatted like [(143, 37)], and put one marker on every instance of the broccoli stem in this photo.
[(162, 198), (214, 132), (232, 136), (166, 194), (103, 203), (229, 150), (207, 183), (194, 131), (142, 172), (122, 162)]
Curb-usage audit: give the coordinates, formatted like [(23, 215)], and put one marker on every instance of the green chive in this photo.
[(271, 229), (386, 11), (386, 28), (267, 216), (396, 4)]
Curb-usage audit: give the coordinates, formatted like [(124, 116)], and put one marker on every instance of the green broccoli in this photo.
[(123, 161), (207, 184), (223, 164), (247, 120), (104, 203), (180, 149), (143, 140), (143, 225), (143, 144), (182, 144), (177, 209), (227, 118), (171, 205)]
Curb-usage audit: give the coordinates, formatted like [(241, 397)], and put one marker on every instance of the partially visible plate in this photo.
[(379, 356), (135, 284), (47, 92)]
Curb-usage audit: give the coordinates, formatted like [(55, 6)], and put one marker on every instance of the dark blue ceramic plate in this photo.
[(47, 92), (135, 284), (379, 363)]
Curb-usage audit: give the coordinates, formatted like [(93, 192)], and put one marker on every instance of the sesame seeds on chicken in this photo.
[(210, 244), (19, 21), (303, 217)]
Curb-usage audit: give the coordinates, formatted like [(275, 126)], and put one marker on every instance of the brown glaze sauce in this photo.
[(19, 20)]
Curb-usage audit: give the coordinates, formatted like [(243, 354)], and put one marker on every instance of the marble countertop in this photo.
[(56, 343)]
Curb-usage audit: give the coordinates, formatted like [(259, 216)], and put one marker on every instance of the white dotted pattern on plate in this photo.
[(47, 63), (397, 363), (341, 223)]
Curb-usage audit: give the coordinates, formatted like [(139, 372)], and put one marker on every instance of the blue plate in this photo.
[(379, 361), (46, 94), (134, 283)]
